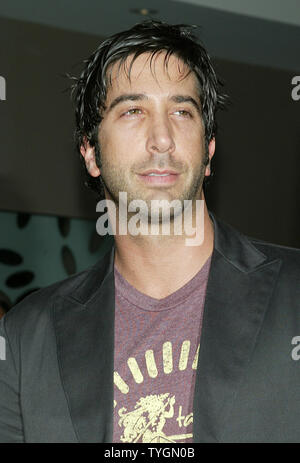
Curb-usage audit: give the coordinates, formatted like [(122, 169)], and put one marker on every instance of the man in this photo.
[(160, 341)]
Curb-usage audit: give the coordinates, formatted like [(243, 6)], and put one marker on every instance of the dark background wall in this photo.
[(39, 171), (256, 185), (257, 161)]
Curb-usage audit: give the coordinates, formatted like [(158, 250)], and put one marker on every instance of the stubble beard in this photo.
[(115, 181)]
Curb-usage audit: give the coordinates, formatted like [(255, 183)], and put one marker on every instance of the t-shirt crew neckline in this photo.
[(145, 302)]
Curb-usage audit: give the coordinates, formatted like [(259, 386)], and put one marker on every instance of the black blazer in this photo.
[(56, 381)]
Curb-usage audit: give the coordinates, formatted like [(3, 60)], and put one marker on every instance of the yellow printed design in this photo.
[(146, 422)]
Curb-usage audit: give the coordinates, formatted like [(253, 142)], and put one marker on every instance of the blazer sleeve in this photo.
[(11, 427)]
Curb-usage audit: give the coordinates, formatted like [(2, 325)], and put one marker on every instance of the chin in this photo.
[(162, 197)]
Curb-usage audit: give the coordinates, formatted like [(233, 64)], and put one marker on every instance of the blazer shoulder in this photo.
[(290, 257), (275, 249), (39, 303)]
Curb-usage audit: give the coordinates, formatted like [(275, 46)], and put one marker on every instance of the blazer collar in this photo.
[(240, 284), (235, 247), (98, 275)]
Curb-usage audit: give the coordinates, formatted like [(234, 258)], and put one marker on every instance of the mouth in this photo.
[(159, 177)]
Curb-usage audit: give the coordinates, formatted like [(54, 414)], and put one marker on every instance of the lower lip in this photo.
[(159, 180)]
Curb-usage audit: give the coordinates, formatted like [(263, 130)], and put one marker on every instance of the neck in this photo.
[(159, 265)]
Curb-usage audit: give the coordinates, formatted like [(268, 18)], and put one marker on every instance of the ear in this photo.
[(211, 152), (88, 152)]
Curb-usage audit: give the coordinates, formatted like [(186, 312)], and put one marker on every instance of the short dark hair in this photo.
[(90, 90)]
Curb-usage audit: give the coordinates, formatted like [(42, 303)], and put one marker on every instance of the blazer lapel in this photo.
[(84, 327), (239, 288)]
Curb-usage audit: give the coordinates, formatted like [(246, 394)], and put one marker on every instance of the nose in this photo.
[(160, 136)]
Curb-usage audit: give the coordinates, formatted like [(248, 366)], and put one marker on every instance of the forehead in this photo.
[(149, 71)]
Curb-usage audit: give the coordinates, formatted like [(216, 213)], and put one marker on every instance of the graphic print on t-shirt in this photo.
[(150, 417), (155, 360)]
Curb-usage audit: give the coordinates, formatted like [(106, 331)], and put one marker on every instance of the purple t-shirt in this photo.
[(156, 352)]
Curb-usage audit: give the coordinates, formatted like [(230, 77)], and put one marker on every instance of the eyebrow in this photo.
[(127, 97), (186, 99), (143, 96)]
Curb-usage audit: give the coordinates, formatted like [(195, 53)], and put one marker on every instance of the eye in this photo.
[(132, 112), (183, 113)]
